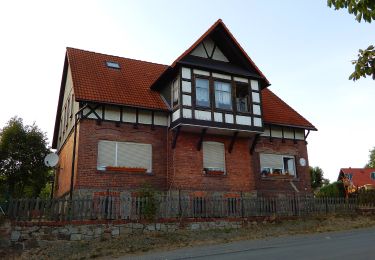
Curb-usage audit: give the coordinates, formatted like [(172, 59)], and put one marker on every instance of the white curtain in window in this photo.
[(202, 92), (175, 87), (223, 97), (214, 156)]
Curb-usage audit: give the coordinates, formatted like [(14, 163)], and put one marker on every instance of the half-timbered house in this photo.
[(206, 123)]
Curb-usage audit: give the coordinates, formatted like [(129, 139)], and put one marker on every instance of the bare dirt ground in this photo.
[(137, 243)]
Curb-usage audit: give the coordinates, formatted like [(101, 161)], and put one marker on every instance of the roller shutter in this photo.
[(214, 156)]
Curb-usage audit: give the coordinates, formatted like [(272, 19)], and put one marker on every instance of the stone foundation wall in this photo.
[(24, 235)]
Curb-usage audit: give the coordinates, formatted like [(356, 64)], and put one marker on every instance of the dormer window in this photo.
[(112, 64), (223, 95), (202, 92), (224, 100), (242, 97)]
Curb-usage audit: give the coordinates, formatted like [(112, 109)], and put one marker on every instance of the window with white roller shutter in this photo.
[(277, 164), (124, 154), (106, 154), (213, 156)]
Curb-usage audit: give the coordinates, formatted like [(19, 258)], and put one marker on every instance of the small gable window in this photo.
[(373, 175), (349, 176), (112, 64)]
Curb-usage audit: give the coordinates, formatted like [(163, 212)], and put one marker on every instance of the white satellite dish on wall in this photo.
[(51, 160), (302, 161)]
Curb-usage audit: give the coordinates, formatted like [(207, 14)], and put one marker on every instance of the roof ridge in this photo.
[(94, 52), (267, 89)]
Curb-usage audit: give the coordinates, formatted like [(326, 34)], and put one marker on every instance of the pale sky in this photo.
[(303, 47)]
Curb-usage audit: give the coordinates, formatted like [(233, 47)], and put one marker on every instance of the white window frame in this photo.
[(242, 100), (116, 153), (219, 105), (271, 169), (197, 88)]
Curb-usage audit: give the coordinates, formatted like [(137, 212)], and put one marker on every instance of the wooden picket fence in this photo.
[(165, 207)]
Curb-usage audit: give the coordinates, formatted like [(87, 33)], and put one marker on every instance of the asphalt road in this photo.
[(356, 244)]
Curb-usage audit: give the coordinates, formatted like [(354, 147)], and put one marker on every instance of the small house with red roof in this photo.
[(358, 178), (206, 123)]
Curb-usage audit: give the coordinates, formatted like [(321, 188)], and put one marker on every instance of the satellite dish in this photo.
[(51, 160), (302, 161)]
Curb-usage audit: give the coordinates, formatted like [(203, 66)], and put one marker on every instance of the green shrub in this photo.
[(45, 193), (335, 189), (150, 206)]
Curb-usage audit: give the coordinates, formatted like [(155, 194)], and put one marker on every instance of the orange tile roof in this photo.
[(360, 176), (276, 111), (129, 85)]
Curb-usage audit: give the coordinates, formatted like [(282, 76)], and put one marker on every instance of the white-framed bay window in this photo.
[(213, 156), (202, 92), (277, 164), (223, 95), (124, 154)]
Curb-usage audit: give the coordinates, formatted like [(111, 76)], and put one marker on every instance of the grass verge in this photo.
[(138, 243)]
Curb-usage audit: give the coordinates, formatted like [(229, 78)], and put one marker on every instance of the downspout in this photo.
[(76, 119)]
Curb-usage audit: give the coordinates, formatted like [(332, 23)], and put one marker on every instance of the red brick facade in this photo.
[(186, 165), (88, 177), (185, 171), (297, 149)]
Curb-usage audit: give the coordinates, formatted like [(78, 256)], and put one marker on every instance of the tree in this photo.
[(371, 161), (22, 151), (317, 179), (362, 9)]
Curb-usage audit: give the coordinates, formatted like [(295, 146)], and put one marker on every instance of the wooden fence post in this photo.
[(242, 206)]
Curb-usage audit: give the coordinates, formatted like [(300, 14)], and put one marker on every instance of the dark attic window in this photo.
[(112, 64)]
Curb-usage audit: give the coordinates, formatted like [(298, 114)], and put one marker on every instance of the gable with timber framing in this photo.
[(208, 49)]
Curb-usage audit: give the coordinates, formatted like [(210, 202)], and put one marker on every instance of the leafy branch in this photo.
[(365, 65), (362, 10)]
